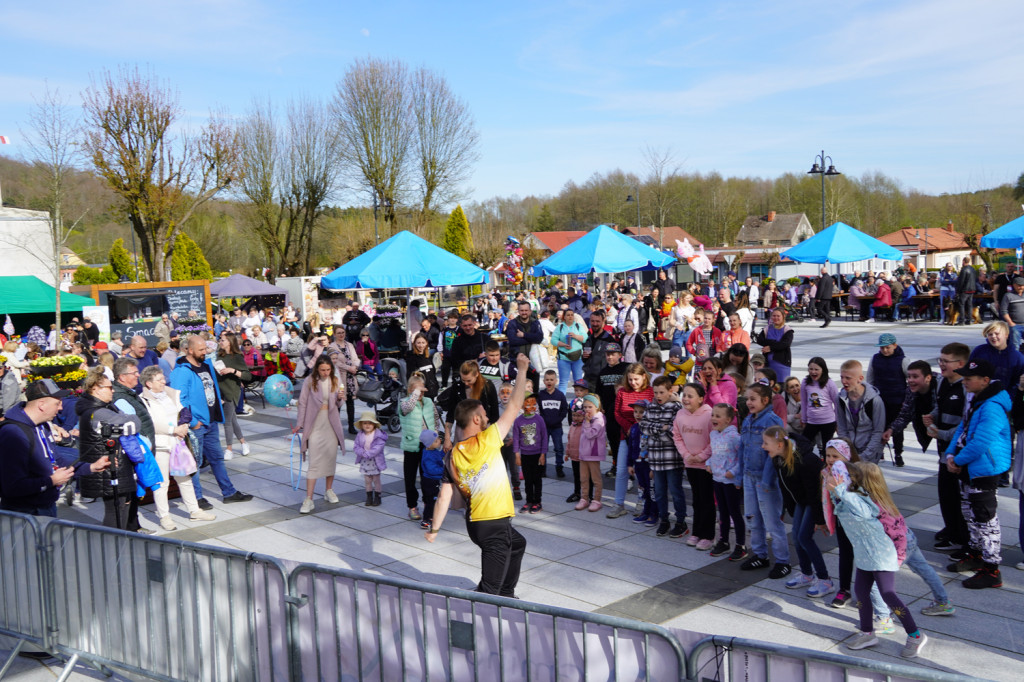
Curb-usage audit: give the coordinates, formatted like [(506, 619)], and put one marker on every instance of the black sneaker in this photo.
[(899, 461), (721, 547), (535, 508), (560, 472), (754, 563), (525, 509), (987, 576), (238, 496), (516, 495), (663, 529), (780, 571), (679, 530), (945, 545), (959, 554), (841, 599), (575, 497), (968, 563), (203, 504), (610, 473), (739, 553)]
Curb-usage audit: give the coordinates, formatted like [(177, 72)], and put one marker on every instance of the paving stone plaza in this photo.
[(585, 561)]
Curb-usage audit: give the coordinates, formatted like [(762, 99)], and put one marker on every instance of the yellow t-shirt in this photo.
[(482, 476)]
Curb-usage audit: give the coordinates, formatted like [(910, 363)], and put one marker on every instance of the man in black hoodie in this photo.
[(966, 285), (469, 345)]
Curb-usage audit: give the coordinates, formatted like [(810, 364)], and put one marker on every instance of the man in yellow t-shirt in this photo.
[(475, 466)]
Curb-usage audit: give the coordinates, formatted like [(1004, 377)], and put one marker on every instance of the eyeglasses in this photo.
[(106, 386)]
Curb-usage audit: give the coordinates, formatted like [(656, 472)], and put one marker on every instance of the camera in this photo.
[(109, 430)]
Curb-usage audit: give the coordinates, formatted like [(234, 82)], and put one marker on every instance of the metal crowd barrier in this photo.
[(22, 607), (167, 609), (735, 658), (350, 625)]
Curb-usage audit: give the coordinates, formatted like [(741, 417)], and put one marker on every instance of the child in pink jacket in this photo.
[(593, 448), (691, 432)]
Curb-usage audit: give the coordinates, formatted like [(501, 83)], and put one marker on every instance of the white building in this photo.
[(26, 245)]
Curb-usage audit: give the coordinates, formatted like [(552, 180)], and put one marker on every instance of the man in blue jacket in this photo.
[(979, 453), (196, 379), (30, 478)]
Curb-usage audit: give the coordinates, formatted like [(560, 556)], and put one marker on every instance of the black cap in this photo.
[(977, 368), (45, 388)]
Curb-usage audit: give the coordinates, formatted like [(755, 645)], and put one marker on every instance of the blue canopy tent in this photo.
[(1009, 236), (840, 243), (404, 261), (603, 250)]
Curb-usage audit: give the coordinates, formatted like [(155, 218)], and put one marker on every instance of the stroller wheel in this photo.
[(394, 424)]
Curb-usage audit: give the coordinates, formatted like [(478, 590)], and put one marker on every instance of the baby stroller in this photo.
[(384, 394)]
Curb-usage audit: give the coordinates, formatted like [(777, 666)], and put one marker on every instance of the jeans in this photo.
[(501, 555), (622, 474), (945, 297), (645, 500), (807, 551), (210, 451), (49, 510), (763, 508), (557, 446), (916, 562), (567, 369), (666, 480), (1016, 332)]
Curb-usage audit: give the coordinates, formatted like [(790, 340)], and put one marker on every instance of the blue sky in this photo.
[(927, 92)]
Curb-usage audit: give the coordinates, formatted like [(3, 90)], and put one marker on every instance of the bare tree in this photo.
[(52, 141), (161, 177), (371, 108), (661, 167), (287, 175), (446, 141)]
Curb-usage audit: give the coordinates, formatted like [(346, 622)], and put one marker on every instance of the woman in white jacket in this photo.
[(164, 406)]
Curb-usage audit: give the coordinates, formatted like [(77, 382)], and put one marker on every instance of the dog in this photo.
[(953, 313)]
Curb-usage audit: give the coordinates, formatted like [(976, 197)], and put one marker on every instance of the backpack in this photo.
[(644, 317), (30, 434)]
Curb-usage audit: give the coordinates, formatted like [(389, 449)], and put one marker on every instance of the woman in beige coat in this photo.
[(163, 404), (320, 421)]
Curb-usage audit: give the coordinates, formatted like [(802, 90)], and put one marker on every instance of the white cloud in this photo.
[(365, 32)]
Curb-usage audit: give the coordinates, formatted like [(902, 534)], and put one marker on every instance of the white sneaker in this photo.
[(249, 410), (228, 455), (77, 502), (307, 506), (245, 450), (1020, 566), (200, 515), (331, 497), (167, 523)]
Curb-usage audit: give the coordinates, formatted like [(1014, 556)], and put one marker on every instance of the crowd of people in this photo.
[(497, 392)]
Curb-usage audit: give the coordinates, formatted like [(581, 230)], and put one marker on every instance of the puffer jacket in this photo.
[(92, 412), (803, 486), (986, 447), (416, 416)]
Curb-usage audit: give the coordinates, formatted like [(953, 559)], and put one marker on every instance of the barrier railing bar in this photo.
[(847, 663), (501, 642), (10, 659), (380, 631), (401, 628), (423, 624), (448, 635)]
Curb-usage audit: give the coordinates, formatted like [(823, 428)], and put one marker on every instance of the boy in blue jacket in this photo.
[(554, 408), (979, 453)]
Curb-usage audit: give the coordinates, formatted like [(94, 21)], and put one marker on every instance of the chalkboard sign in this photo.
[(183, 300)]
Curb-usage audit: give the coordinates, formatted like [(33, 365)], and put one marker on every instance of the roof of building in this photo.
[(773, 227), (557, 240), (668, 239), (934, 239)]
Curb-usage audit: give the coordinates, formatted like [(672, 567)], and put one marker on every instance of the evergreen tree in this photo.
[(187, 261), (86, 275), (457, 238), (120, 260), (545, 221)]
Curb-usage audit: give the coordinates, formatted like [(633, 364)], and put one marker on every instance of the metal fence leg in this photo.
[(66, 672), (10, 659)]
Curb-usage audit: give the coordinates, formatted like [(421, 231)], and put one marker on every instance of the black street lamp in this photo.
[(635, 199), (821, 163), (386, 204)]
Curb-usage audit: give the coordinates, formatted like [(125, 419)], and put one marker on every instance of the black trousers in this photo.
[(824, 310), (614, 433), (532, 477), (892, 410), (446, 369), (826, 431), (509, 455), (949, 506), (845, 559), (501, 555), (411, 467), (702, 491), (431, 487), (965, 306), (128, 506), (350, 409)]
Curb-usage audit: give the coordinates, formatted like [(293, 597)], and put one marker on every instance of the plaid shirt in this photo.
[(656, 424)]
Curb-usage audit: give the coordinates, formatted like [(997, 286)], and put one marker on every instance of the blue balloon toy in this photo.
[(277, 390)]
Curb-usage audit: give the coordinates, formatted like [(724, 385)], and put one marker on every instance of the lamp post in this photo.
[(823, 166), (386, 204), (635, 199), (135, 256)]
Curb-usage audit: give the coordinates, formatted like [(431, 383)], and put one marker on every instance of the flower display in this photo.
[(58, 361), (75, 375), (191, 325), (389, 315)]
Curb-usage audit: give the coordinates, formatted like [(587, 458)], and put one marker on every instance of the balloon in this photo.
[(278, 390), (519, 251)]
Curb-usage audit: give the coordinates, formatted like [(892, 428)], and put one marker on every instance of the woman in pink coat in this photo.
[(719, 386), (691, 432), (319, 419)]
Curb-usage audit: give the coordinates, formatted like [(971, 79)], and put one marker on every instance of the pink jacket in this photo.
[(722, 392), (593, 440), (309, 406), (691, 433)]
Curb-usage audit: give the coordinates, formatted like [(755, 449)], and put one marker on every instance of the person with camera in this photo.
[(100, 423), (195, 378), (30, 478)]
